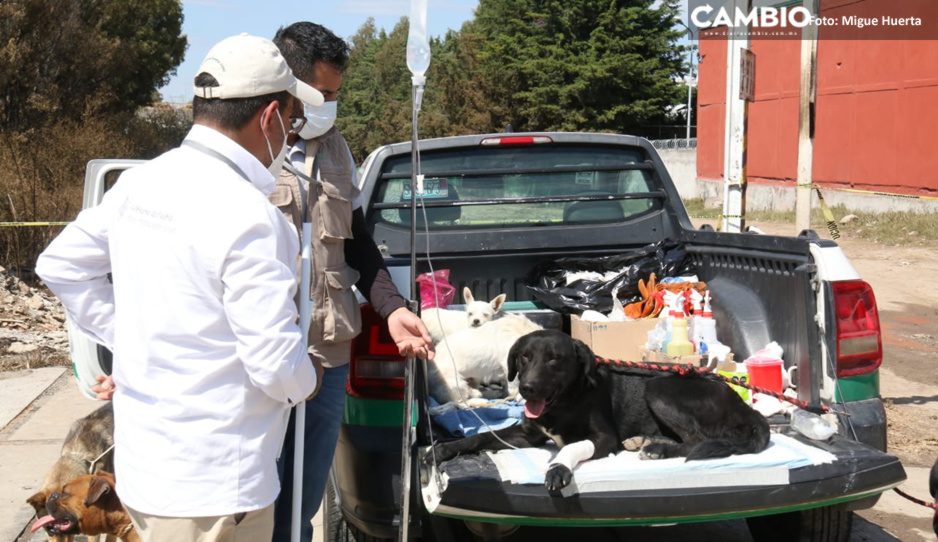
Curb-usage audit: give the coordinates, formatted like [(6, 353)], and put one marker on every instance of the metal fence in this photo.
[(681, 143)]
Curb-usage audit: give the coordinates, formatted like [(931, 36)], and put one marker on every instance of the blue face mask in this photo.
[(319, 119)]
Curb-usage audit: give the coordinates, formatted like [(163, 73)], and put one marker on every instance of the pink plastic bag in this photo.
[(435, 290)]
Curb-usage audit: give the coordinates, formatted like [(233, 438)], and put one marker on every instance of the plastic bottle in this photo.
[(669, 319), (679, 345), (706, 331), (811, 425), (418, 46), (707, 311), (693, 328)]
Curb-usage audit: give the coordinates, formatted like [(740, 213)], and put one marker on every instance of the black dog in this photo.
[(590, 411)]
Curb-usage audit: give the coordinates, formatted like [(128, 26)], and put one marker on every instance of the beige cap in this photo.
[(246, 66)]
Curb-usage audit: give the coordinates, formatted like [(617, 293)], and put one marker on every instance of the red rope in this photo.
[(931, 505), (684, 369)]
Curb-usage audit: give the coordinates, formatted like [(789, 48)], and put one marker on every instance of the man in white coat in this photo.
[(188, 274)]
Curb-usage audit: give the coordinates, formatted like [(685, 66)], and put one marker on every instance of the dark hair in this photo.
[(303, 44), (231, 113)]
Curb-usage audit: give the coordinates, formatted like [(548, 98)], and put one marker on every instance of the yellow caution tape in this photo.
[(890, 194), (828, 215)]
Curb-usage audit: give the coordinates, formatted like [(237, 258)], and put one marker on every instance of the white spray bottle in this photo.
[(694, 329)]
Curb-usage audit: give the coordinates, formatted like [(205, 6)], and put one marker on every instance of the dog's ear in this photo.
[(467, 295), (38, 500), (513, 355), (96, 489), (498, 302), (586, 357)]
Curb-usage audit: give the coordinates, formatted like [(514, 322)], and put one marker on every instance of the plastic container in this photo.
[(679, 345), (435, 290), (706, 330), (740, 375), (765, 372), (418, 45), (811, 425)]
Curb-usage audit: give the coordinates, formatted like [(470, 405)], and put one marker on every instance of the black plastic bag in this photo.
[(547, 281)]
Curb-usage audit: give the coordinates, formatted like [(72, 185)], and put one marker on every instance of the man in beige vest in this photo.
[(319, 185)]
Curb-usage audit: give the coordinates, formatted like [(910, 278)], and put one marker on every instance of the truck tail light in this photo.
[(515, 140), (859, 341), (376, 370)]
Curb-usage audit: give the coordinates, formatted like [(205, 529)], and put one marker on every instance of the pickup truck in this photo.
[(498, 206)]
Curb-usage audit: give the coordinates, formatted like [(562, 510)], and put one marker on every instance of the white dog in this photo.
[(443, 322), (473, 363)]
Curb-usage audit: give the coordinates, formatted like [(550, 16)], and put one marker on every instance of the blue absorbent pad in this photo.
[(626, 472), (467, 422)]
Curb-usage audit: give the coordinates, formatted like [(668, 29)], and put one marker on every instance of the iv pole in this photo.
[(418, 60)]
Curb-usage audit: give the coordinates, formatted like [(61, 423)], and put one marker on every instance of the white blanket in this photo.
[(625, 471)]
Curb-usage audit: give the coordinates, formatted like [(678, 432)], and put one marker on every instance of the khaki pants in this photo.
[(257, 525)]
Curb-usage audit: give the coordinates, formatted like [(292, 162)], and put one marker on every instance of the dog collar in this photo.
[(127, 528)]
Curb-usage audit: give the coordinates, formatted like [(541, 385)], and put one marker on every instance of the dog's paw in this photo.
[(475, 403), (558, 477), (471, 393), (654, 451), (635, 444)]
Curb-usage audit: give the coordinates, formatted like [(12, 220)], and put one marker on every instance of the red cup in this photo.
[(765, 373)]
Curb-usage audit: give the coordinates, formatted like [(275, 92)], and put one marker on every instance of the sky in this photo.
[(209, 21)]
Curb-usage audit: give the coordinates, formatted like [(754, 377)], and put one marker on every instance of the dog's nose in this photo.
[(54, 496), (526, 390), (475, 323)]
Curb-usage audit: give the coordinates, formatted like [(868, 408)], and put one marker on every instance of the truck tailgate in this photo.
[(474, 489)]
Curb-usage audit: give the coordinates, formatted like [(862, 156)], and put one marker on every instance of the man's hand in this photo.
[(105, 388), (317, 364), (410, 334)]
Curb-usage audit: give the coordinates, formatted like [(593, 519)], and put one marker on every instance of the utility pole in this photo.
[(805, 176), (690, 71), (737, 110), (690, 88)]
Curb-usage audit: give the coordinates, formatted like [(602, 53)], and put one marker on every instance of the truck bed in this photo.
[(473, 488)]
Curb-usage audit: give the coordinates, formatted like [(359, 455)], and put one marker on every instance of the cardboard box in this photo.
[(614, 340), (657, 356)]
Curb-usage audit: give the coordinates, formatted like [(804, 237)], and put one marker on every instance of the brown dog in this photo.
[(86, 450), (88, 505)]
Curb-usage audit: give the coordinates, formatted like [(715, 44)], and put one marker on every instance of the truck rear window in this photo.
[(537, 185)]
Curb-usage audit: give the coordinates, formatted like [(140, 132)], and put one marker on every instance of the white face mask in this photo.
[(319, 119), (276, 163)]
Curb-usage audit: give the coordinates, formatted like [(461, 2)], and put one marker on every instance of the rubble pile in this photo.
[(32, 322)]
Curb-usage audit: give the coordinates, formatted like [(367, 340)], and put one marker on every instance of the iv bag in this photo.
[(418, 46)]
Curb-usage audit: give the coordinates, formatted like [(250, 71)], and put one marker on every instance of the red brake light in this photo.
[(376, 370), (859, 341), (516, 140)]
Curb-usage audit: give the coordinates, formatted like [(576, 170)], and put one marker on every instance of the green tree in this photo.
[(375, 103), (604, 65), (375, 106), (73, 75), (66, 59)]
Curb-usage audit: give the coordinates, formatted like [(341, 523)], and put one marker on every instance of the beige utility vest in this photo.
[(335, 317)]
